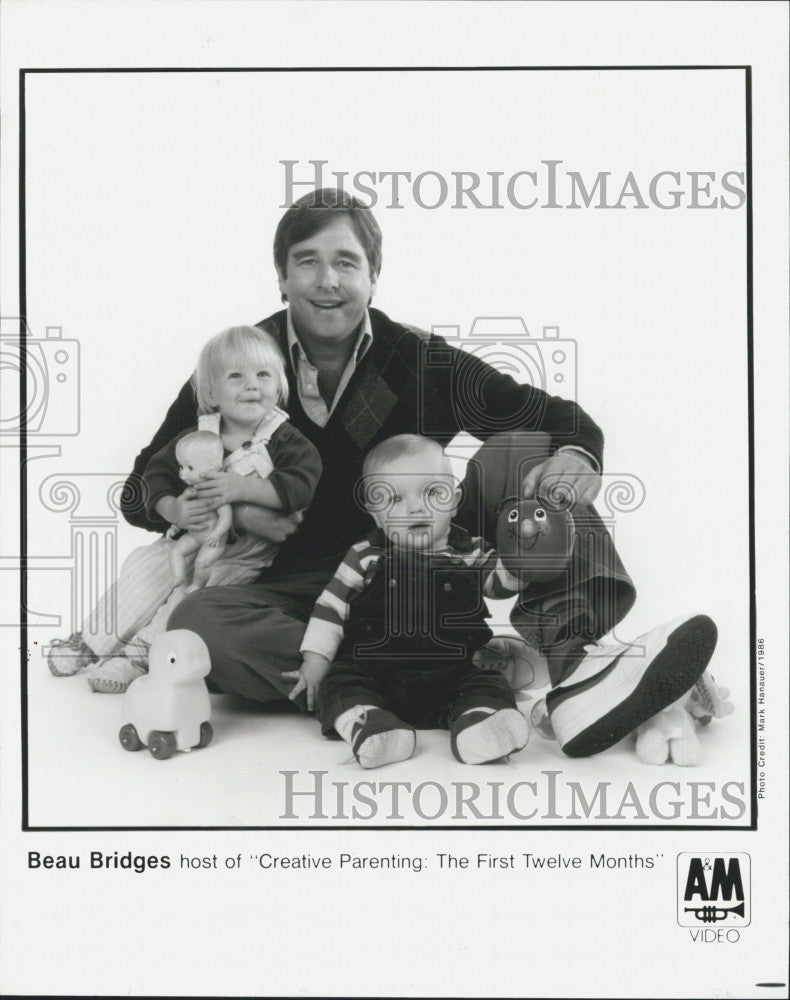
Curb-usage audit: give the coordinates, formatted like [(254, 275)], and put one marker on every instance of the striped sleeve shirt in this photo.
[(327, 623)]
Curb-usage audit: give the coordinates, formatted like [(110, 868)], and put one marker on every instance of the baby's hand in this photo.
[(221, 487), (314, 666), (188, 511)]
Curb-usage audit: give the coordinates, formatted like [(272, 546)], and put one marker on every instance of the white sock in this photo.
[(345, 722)]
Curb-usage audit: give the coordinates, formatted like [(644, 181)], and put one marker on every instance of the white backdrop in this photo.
[(152, 200)]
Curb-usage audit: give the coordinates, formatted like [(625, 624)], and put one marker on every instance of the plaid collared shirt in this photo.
[(307, 374)]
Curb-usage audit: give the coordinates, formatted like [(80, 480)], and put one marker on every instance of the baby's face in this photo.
[(413, 500), (245, 393)]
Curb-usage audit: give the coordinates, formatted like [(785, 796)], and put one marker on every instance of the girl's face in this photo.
[(245, 392)]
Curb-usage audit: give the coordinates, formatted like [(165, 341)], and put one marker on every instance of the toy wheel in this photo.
[(206, 734), (162, 745), (129, 738)]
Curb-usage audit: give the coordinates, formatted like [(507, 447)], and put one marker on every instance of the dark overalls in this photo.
[(409, 642)]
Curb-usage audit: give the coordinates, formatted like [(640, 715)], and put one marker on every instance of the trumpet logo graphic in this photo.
[(714, 889)]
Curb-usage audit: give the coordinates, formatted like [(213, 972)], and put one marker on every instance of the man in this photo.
[(356, 378)]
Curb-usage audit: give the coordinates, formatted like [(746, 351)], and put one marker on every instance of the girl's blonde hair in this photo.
[(236, 345)]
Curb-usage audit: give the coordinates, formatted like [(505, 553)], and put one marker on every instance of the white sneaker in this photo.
[(617, 687)]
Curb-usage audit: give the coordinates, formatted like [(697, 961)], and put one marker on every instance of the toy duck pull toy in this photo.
[(168, 708), (534, 539)]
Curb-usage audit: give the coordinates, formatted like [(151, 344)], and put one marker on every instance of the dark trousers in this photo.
[(593, 593), (253, 632), (426, 696)]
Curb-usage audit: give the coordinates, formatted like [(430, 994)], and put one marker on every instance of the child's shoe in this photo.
[(522, 666), (114, 676), (68, 656), (480, 736), (609, 693), (380, 737)]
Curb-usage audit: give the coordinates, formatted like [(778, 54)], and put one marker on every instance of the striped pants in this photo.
[(137, 606)]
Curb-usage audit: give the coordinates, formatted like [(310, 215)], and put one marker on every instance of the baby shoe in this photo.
[(114, 676), (380, 737), (480, 736), (68, 656)]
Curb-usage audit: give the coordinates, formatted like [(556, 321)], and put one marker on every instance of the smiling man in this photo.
[(356, 378)]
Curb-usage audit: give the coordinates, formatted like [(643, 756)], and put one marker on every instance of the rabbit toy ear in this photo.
[(707, 700)]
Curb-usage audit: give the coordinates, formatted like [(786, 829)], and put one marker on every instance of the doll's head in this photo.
[(408, 487), (241, 375), (534, 538), (197, 453)]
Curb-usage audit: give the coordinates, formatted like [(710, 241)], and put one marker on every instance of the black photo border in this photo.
[(23, 444)]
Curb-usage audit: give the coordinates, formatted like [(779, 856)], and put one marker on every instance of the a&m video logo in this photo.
[(714, 890)]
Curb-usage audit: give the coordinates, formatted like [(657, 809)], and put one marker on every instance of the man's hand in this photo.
[(221, 487), (565, 478), (312, 671), (187, 511), (264, 523)]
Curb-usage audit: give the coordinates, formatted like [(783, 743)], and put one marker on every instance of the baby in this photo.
[(390, 642), (240, 381)]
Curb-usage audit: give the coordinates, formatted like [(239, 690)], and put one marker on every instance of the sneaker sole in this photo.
[(104, 686), (60, 672), (629, 698), (498, 735), (389, 747)]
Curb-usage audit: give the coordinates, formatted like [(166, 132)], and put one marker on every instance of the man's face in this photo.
[(328, 284)]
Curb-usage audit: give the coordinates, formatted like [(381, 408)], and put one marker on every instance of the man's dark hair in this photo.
[(319, 209)]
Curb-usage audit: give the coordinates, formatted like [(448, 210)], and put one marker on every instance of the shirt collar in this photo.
[(458, 540), (361, 347)]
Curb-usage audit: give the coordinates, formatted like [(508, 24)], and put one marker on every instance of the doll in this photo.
[(534, 539), (197, 453)]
